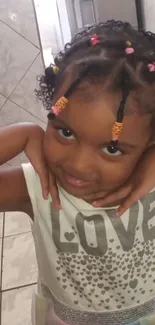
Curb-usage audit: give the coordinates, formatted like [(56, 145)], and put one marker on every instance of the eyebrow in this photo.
[(127, 145), (58, 120), (123, 144), (120, 143)]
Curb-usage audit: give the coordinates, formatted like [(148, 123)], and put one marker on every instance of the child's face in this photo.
[(76, 145)]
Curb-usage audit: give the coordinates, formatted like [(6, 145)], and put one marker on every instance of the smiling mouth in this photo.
[(76, 182)]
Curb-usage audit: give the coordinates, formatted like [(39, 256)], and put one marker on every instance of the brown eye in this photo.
[(112, 151), (66, 133)]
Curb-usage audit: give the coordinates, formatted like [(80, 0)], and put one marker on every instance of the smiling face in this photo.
[(77, 144)]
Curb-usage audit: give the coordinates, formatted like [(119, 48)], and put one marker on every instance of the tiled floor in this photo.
[(20, 63)]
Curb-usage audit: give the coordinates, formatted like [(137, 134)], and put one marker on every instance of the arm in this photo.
[(14, 139), (29, 138), (13, 191)]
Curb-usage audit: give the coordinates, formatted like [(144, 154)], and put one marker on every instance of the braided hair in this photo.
[(106, 62)]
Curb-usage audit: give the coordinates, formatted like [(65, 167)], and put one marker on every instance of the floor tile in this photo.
[(24, 94), (0, 258), (19, 261), (16, 223), (11, 113), (19, 15), (1, 224), (6, 165), (0, 251), (16, 56), (16, 306), (2, 100)]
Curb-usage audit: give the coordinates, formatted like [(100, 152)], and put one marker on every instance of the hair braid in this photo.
[(107, 61)]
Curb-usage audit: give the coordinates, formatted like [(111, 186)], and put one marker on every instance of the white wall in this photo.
[(116, 9), (149, 14)]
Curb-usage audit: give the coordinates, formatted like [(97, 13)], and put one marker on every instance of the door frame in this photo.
[(139, 11)]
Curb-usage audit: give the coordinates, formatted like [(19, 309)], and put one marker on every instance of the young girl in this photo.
[(94, 268)]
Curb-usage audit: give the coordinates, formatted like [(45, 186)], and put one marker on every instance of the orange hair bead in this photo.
[(60, 105), (116, 130)]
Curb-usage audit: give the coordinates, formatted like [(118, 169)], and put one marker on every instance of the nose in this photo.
[(82, 164)]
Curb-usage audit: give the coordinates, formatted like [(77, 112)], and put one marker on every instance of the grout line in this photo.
[(19, 287), (3, 230), (0, 307), (24, 75), (6, 163), (3, 226), (8, 98), (15, 89), (1, 271), (38, 32), (19, 34), (18, 234), (3, 95), (24, 109), (4, 103)]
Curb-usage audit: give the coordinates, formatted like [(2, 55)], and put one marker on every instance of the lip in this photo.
[(73, 181)]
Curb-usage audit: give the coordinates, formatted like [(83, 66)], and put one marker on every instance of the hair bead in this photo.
[(55, 69), (116, 130), (129, 49), (94, 39), (60, 105), (151, 67), (128, 43)]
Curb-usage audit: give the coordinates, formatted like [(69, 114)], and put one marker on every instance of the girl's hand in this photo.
[(34, 152), (140, 184)]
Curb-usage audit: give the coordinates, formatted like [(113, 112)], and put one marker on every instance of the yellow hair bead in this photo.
[(55, 69), (128, 43)]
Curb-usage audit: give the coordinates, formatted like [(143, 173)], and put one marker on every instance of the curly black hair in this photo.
[(106, 62)]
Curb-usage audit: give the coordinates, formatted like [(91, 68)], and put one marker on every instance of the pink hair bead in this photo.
[(94, 40), (129, 50), (151, 67), (55, 110)]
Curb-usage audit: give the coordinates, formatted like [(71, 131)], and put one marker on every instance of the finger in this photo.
[(54, 192), (113, 197), (41, 169), (44, 179), (130, 200)]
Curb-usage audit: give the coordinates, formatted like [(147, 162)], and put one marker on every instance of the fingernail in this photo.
[(118, 213), (96, 204), (45, 195), (58, 206)]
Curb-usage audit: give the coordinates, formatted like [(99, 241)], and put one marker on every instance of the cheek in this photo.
[(53, 150), (116, 173)]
